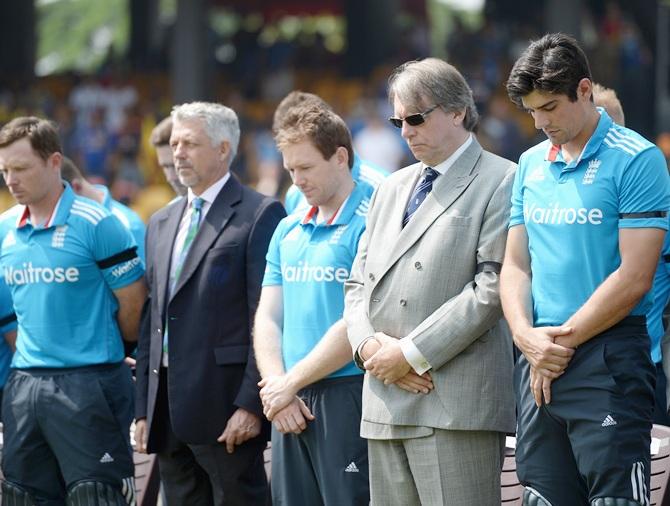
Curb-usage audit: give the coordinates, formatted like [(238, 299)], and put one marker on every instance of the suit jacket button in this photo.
[(403, 302), (418, 266), (371, 276)]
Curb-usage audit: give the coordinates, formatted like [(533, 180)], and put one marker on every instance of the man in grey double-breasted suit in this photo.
[(422, 304)]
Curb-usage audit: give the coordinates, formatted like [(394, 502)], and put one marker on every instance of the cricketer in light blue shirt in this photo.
[(573, 213), (367, 175), (62, 278), (127, 216), (311, 262)]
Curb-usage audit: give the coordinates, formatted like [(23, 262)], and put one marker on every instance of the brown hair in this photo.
[(160, 135), (294, 99), (42, 134), (325, 129)]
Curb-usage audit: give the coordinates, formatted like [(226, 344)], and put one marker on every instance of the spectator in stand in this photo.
[(378, 144)]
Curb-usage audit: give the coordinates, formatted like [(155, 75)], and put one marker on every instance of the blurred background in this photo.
[(108, 71)]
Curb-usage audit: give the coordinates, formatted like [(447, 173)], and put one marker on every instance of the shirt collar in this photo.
[(106, 197), (555, 154), (59, 214), (441, 168), (210, 194), (343, 214)]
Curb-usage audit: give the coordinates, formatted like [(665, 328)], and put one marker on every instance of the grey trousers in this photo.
[(446, 468)]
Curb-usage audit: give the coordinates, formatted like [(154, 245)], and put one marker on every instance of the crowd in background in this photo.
[(106, 119)]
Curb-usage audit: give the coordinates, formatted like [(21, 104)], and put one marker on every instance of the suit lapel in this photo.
[(210, 228), (446, 190), (168, 227)]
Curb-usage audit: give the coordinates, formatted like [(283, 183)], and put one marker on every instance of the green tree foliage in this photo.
[(79, 34)]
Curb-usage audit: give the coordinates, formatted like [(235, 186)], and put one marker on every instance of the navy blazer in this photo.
[(212, 370)]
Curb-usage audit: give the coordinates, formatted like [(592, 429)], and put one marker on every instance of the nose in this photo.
[(9, 177), (541, 120), (178, 151), (407, 131)]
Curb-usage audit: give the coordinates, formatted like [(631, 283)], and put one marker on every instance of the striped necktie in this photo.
[(194, 223), (420, 193)]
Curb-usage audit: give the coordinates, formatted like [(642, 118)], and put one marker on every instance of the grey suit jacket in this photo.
[(436, 282)]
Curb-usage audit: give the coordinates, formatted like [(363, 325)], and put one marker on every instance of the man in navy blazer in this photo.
[(198, 405)]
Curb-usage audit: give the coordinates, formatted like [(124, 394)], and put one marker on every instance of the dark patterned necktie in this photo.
[(420, 193)]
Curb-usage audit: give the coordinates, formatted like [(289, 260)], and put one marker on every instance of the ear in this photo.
[(342, 156), (76, 185), (54, 161), (224, 150), (459, 117), (584, 89)]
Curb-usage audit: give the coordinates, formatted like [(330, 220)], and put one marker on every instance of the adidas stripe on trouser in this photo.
[(68, 425), (593, 439)]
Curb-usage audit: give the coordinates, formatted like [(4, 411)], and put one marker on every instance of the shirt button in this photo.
[(371, 277), (403, 302), (418, 266), (375, 300), (155, 371), (158, 330)]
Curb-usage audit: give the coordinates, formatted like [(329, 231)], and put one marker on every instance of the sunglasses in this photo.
[(412, 119)]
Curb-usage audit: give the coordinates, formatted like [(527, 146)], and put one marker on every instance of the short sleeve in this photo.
[(644, 197), (115, 252), (516, 212), (273, 275)]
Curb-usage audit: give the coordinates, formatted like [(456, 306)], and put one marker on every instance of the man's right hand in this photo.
[(141, 435), (538, 346), (293, 418)]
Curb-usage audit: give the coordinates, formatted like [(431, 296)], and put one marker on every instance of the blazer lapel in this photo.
[(446, 190), (168, 227), (210, 228)]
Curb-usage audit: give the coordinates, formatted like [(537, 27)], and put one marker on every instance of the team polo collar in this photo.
[(59, 214), (343, 214), (106, 196), (554, 153)]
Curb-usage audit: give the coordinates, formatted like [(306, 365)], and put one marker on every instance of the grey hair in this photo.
[(421, 83), (221, 123)]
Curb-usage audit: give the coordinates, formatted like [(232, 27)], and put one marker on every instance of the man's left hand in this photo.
[(389, 363), (276, 393), (242, 426)]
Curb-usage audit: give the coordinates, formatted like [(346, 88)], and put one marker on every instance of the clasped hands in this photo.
[(288, 412), (385, 360), (548, 351)]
